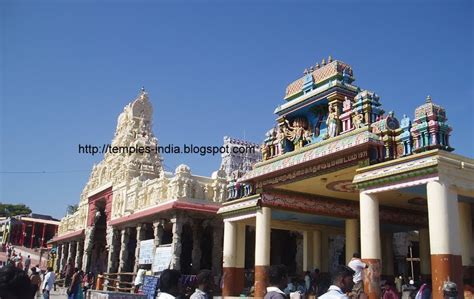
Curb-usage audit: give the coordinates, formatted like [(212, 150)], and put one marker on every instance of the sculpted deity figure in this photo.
[(295, 134), (357, 119), (280, 137), (264, 150), (332, 123)]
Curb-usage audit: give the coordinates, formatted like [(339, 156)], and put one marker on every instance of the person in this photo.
[(278, 278), (74, 290), (204, 281), (14, 283), (342, 283), (69, 271), (19, 262), (425, 290), (27, 263), (139, 279), (169, 284), (389, 291), (35, 281), (358, 266), (398, 283), (450, 290), (307, 282), (48, 282), (88, 282)]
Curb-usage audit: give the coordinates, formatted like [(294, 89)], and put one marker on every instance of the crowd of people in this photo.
[(347, 282), (18, 280)]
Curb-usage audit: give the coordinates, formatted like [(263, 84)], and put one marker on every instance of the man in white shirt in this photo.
[(342, 283), (48, 282), (358, 266)]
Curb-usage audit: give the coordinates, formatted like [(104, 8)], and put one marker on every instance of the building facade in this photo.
[(337, 167)]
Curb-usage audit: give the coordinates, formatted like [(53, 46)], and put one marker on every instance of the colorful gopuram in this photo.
[(338, 169)]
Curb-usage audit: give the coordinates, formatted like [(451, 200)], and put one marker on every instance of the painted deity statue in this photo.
[(295, 134), (332, 123), (357, 119)]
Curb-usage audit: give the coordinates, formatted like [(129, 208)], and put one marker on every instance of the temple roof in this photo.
[(319, 74)]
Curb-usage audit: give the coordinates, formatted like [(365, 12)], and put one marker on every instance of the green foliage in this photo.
[(71, 209), (9, 210)]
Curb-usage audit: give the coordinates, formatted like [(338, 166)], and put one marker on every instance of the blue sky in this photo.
[(211, 69)]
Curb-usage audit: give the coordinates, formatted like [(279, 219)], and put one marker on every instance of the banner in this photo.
[(146, 252), (162, 258)]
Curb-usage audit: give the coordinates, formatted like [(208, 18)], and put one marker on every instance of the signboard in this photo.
[(150, 284), (162, 258), (146, 252)]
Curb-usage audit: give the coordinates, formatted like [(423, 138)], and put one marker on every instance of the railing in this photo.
[(121, 282)]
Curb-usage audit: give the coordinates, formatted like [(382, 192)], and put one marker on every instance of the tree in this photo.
[(10, 210), (71, 209)]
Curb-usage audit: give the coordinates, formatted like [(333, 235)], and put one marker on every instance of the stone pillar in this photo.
[(445, 243), (123, 257), (59, 258), (387, 254), (72, 251), (113, 242), (88, 244), (239, 282), (217, 238), (262, 250), (79, 253), (317, 249), (140, 237), (465, 227), (196, 253), (307, 251), (176, 243), (352, 238), (299, 251), (63, 260), (229, 258), (324, 252), (158, 231), (370, 243), (425, 258)]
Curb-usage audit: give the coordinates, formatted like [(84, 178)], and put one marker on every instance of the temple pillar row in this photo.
[(217, 239), (123, 256), (307, 251), (158, 231), (425, 258), (140, 229), (465, 226), (262, 250), (370, 243), (176, 243), (352, 238), (229, 257), (445, 242), (317, 249), (196, 252), (79, 253), (113, 244)]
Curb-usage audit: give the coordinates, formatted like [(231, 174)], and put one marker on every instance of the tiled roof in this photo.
[(319, 75)]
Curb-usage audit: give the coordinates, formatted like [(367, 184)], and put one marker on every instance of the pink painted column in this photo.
[(22, 237), (32, 234), (43, 243)]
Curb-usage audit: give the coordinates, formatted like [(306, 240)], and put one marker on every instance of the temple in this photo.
[(130, 198), (340, 175)]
